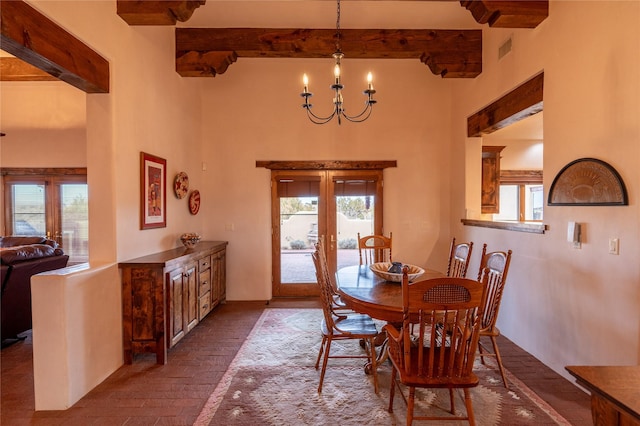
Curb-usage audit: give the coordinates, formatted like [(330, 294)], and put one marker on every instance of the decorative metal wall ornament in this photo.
[(588, 182)]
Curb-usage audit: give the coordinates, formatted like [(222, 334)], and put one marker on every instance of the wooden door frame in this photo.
[(302, 289), (310, 166), (52, 179)]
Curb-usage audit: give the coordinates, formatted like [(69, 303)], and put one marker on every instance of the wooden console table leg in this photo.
[(161, 350)]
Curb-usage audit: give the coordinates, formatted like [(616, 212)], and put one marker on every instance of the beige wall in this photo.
[(149, 108), (558, 299), (253, 112), (47, 125), (563, 305)]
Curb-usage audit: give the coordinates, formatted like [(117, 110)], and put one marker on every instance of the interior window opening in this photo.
[(54, 205)]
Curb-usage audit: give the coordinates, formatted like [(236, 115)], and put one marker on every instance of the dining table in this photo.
[(363, 291)]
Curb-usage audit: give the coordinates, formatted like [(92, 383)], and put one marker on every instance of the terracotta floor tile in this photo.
[(145, 393)]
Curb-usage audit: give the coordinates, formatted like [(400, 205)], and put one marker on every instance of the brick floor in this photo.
[(145, 393)]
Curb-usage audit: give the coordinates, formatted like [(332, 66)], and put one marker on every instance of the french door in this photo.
[(306, 205), (52, 206)]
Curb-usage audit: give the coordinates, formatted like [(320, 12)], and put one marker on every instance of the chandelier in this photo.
[(338, 108)]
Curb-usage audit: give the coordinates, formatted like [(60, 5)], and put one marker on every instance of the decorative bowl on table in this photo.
[(381, 269), (190, 240)]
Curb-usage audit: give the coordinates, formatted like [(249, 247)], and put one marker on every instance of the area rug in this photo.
[(272, 381)]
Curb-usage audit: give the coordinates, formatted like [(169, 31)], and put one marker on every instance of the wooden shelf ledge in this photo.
[(531, 227)]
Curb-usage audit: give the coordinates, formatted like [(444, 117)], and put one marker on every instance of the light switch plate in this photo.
[(614, 246)]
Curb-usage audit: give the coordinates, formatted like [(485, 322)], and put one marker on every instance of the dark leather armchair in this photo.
[(20, 259)]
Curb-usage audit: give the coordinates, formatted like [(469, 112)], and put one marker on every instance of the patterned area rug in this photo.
[(272, 381)]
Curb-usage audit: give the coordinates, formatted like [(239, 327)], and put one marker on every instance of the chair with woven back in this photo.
[(375, 248), (494, 267), (437, 344), (341, 325), (459, 257)]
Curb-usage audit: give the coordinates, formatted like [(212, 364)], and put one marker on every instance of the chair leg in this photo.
[(410, 403), (373, 358), (324, 339), (327, 349), (494, 342), (452, 402), (392, 388), (469, 405), (480, 352)]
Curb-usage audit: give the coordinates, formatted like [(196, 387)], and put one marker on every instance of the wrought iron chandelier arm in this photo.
[(356, 118), (319, 120), (316, 119)]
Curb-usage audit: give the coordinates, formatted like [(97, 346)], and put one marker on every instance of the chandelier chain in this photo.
[(338, 35)]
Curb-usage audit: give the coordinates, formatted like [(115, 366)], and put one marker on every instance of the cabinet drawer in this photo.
[(205, 281), (204, 263), (205, 305)]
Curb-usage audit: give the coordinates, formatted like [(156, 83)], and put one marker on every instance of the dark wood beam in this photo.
[(327, 165), (522, 102), (508, 14), (497, 13), (205, 52), (14, 69), (152, 12), (29, 35)]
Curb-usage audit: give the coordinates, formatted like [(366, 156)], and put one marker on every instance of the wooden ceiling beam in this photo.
[(520, 103), (508, 14), (14, 69), (29, 35), (205, 52), (154, 12), (496, 13)]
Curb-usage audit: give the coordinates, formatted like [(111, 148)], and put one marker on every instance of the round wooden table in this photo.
[(365, 292)]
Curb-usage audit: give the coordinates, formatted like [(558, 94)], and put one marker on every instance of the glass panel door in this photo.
[(51, 206), (307, 205), (73, 234), (357, 207), (298, 215), (28, 215)]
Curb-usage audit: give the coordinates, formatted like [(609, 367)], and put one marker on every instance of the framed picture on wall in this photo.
[(153, 191)]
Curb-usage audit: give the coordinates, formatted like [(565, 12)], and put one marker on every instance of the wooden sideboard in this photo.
[(166, 294), (615, 393)]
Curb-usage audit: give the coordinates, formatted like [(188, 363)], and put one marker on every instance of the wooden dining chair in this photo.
[(375, 248), (437, 344), (340, 325), (337, 304), (459, 257), (494, 267)]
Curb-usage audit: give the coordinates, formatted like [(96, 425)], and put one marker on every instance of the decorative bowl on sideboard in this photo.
[(190, 239)]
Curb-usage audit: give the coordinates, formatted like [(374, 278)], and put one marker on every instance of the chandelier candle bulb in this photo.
[(305, 81), (370, 81)]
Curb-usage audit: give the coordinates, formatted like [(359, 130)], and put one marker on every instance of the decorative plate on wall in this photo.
[(181, 185), (194, 202)]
